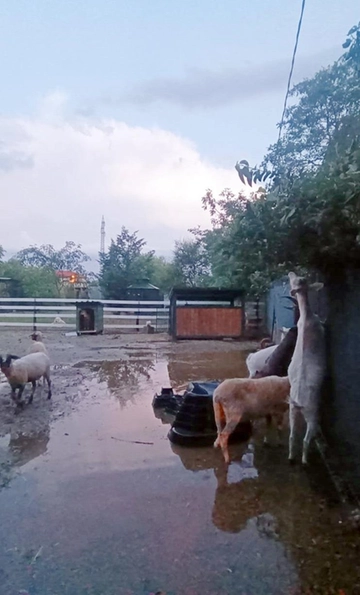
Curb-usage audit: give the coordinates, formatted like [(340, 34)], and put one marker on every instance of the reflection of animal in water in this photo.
[(243, 399), (278, 503)]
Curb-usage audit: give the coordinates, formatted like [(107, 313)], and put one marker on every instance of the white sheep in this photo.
[(307, 367), (20, 371), (37, 344), (244, 399), (58, 320), (38, 347), (256, 361)]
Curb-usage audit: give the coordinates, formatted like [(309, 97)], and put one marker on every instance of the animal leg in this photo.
[(226, 433), (219, 420), (268, 429), (33, 382), (279, 426), (311, 428), (47, 376), (292, 419), (19, 402)]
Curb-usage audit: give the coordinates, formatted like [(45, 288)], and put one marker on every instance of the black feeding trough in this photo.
[(194, 422)]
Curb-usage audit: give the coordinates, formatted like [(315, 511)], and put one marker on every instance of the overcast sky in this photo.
[(132, 109)]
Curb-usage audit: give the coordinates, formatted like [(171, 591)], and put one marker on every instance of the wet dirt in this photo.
[(95, 500)]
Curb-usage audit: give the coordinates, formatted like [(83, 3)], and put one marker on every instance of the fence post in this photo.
[(34, 318)]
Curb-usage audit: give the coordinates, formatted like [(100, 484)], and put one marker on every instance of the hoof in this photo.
[(49, 396), (292, 461)]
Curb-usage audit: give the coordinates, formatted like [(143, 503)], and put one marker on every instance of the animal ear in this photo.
[(316, 286), (291, 276)]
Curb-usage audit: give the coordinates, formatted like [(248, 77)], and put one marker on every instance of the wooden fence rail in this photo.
[(118, 314)]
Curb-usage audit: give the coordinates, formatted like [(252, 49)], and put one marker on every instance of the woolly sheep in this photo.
[(20, 371), (243, 399), (38, 347), (256, 361)]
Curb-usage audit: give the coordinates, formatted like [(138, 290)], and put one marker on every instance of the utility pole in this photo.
[(102, 236)]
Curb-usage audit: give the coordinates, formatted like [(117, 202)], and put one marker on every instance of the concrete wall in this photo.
[(341, 403), (339, 305)]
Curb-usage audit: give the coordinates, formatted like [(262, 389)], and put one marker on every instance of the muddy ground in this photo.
[(95, 500)]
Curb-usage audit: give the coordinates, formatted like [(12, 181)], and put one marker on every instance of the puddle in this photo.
[(96, 500)]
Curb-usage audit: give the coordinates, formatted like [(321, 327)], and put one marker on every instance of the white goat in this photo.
[(244, 399), (256, 361), (307, 367), (20, 371)]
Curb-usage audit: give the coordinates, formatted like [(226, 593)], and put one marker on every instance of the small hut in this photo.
[(143, 290), (206, 313)]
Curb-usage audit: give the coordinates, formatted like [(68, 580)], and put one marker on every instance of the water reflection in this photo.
[(19, 448), (260, 491), (24, 447), (127, 374), (211, 365)]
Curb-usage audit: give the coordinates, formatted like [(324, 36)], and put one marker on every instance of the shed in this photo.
[(89, 318), (143, 290), (206, 313)]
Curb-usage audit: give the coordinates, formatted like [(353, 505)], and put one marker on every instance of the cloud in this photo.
[(149, 180), (200, 88)]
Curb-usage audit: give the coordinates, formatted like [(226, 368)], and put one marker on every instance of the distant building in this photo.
[(72, 283), (143, 290)]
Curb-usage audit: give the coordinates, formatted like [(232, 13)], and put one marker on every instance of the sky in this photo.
[(133, 109)]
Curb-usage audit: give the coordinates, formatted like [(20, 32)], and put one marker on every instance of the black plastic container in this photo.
[(194, 423)]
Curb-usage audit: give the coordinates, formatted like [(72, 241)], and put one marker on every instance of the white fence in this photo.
[(124, 314)]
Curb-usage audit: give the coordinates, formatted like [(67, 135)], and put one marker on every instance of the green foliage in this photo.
[(191, 263), (352, 44), (244, 245), (123, 264), (30, 281), (68, 258), (162, 274), (310, 215)]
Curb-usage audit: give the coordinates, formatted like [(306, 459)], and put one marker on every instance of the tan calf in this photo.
[(244, 399)]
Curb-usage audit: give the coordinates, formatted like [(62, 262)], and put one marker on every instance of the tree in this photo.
[(309, 215), (2, 252), (325, 108), (245, 246), (191, 263), (68, 258), (123, 264), (162, 273), (30, 281)]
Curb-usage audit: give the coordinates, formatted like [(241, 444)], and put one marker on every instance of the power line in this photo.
[(292, 68)]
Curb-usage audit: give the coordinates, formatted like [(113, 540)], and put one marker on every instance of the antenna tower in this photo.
[(102, 236)]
